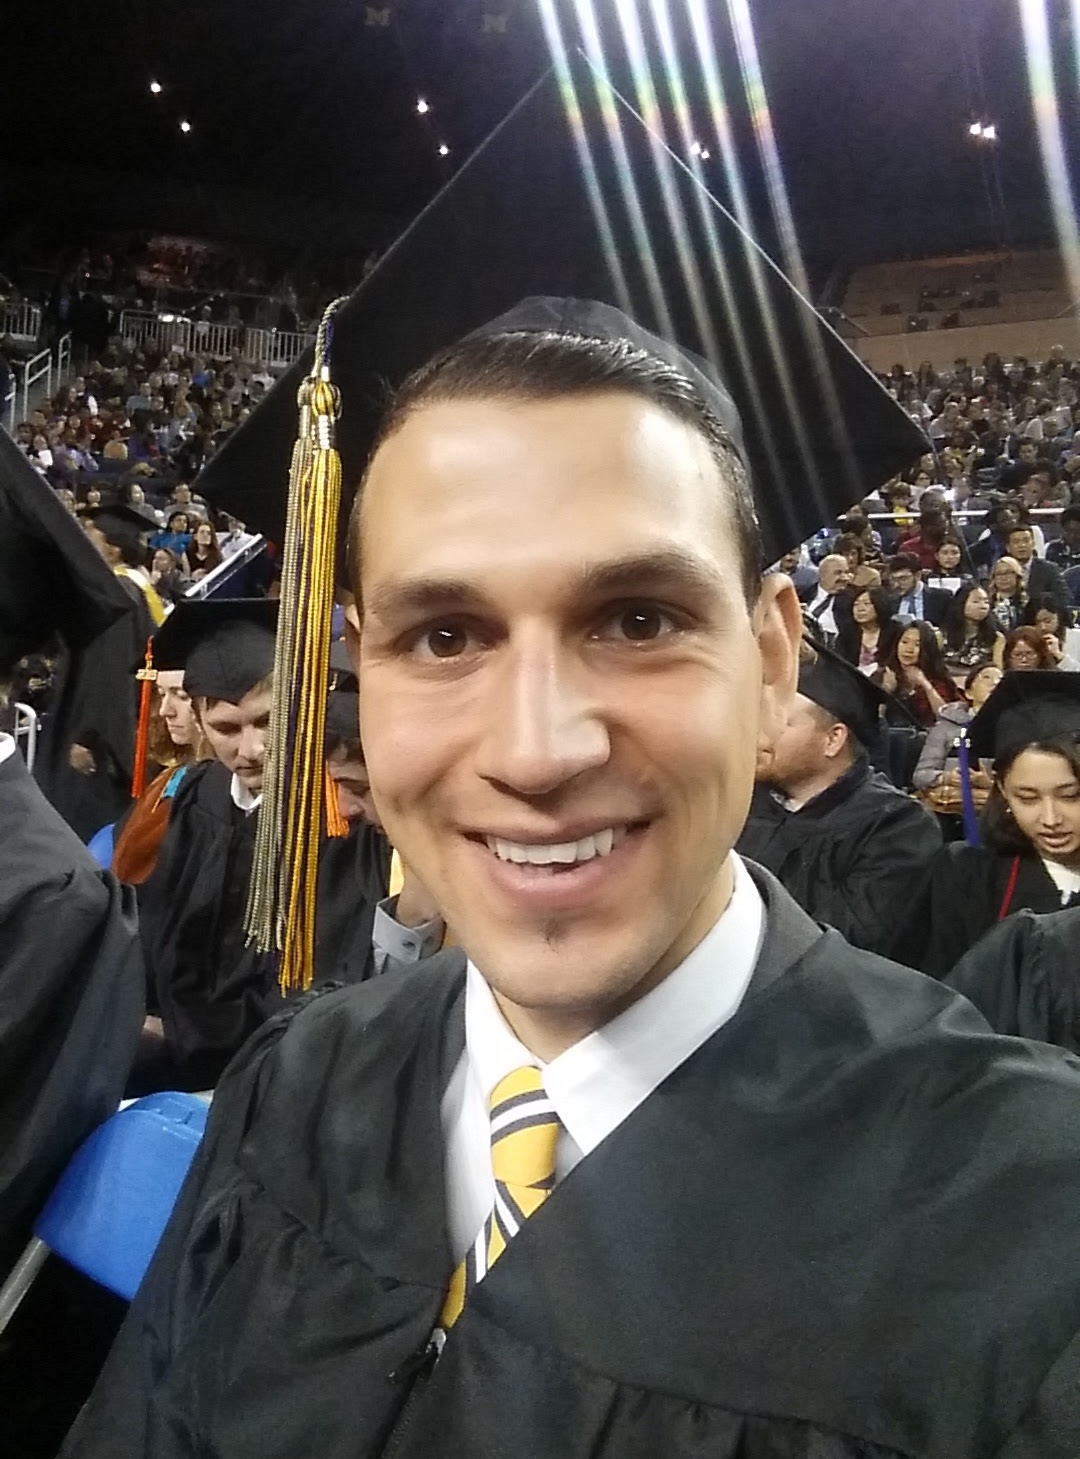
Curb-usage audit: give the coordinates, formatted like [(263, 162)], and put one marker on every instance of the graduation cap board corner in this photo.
[(584, 201)]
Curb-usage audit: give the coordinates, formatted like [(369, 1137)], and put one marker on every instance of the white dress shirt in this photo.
[(599, 1081), (826, 620), (242, 798), (7, 747), (1064, 878)]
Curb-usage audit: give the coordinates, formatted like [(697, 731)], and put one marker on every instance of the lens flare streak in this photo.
[(1044, 103)]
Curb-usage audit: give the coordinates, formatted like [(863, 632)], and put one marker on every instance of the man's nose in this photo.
[(252, 745), (545, 725)]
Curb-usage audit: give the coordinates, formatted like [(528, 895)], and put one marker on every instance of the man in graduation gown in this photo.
[(210, 988), (839, 837), (652, 1164), (1024, 977), (70, 971)]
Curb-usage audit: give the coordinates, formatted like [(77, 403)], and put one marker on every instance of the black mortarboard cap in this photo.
[(845, 691), (592, 206), (343, 716), (52, 579), (225, 646), (1026, 708)]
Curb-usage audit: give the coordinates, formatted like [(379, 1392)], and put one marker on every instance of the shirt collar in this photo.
[(598, 1082), (242, 798)]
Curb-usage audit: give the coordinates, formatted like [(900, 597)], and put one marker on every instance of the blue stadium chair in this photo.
[(100, 847), (111, 1204)]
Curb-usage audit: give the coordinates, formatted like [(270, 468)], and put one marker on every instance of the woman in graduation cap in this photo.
[(1028, 735)]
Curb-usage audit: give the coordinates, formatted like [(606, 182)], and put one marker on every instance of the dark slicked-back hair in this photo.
[(528, 366)]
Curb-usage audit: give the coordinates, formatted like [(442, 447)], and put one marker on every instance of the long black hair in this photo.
[(954, 625)]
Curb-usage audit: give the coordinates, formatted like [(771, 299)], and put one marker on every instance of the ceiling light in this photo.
[(185, 127), (444, 150), (155, 88), (422, 107), (976, 129)]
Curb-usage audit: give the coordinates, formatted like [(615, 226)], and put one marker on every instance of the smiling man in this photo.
[(649, 1164), (606, 1178)]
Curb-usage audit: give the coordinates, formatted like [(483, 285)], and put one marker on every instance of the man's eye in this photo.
[(638, 623), (447, 641)]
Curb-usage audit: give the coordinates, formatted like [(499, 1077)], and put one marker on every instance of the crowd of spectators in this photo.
[(134, 429)]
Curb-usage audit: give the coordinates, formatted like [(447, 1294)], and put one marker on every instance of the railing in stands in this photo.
[(216, 340), (275, 346), (63, 358), (272, 348), (21, 321), (38, 368), (8, 406)]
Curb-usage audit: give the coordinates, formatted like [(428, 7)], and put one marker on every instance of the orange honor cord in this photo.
[(146, 677)]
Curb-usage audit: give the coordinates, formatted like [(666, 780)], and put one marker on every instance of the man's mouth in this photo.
[(559, 853)]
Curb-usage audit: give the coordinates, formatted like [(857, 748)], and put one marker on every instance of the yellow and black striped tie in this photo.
[(524, 1133)]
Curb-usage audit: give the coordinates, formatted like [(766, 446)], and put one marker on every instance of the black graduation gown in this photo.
[(847, 856), (844, 1228), (95, 703), (1024, 977), (71, 998), (959, 898), (211, 989)]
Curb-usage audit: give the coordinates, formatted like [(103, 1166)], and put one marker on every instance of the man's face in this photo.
[(801, 749), (1028, 452), (237, 734), (350, 776), (1070, 530), (834, 573), (902, 580), (564, 688), (789, 562), (1021, 544)]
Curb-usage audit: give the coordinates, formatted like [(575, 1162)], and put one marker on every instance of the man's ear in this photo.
[(352, 633), (778, 627)]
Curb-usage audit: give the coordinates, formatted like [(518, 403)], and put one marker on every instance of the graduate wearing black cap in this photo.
[(651, 1164), (71, 979), (1028, 732), (839, 836), (209, 988)]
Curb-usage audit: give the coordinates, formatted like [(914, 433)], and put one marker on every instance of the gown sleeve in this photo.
[(946, 910), (1024, 977), (880, 864), (71, 1004)]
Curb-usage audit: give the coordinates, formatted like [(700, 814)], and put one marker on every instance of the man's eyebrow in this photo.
[(670, 568)]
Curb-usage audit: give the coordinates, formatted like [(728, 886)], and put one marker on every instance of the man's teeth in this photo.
[(565, 853)]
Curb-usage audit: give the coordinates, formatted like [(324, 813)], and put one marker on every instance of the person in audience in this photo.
[(1022, 977), (1026, 651), (202, 554), (176, 536), (972, 633), (949, 569), (928, 537), (853, 548), (867, 633), (1027, 734), (937, 774), (913, 600), (1007, 596), (832, 595), (1061, 640), (1038, 575), (913, 670), (167, 576), (839, 837), (1064, 551)]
